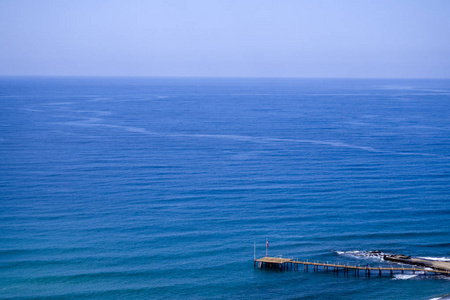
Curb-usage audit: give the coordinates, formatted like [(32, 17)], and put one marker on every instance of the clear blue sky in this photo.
[(286, 38)]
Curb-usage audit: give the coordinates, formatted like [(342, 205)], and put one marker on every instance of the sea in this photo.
[(168, 188)]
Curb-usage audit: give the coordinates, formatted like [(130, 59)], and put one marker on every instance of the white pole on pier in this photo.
[(267, 247)]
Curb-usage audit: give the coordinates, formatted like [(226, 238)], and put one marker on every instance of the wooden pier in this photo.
[(279, 263)]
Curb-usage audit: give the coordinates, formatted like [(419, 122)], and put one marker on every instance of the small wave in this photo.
[(395, 87), (403, 277), (99, 99), (443, 297), (32, 110), (59, 103), (373, 255), (436, 258)]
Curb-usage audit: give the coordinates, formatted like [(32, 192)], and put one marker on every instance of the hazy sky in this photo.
[(284, 38)]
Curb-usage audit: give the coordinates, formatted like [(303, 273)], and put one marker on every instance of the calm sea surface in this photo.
[(158, 188)]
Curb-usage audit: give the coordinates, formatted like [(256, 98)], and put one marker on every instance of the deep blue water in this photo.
[(158, 188)]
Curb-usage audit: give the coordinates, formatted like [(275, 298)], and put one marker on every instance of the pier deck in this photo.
[(293, 264)]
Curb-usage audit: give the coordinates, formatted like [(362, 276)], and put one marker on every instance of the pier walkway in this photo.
[(279, 263)]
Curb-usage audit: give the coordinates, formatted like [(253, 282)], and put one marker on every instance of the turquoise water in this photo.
[(158, 188)]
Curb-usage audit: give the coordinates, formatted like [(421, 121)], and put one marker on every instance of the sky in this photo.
[(226, 38)]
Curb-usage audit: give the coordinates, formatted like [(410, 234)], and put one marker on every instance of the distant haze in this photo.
[(317, 38)]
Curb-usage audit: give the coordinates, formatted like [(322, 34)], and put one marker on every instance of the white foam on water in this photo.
[(135, 129), (372, 255), (32, 109), (250, 138), (436, 258), (59, 103), (99, 99), (445, 297), (403, 277)]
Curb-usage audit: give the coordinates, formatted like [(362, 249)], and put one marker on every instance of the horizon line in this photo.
[(217, 77)]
